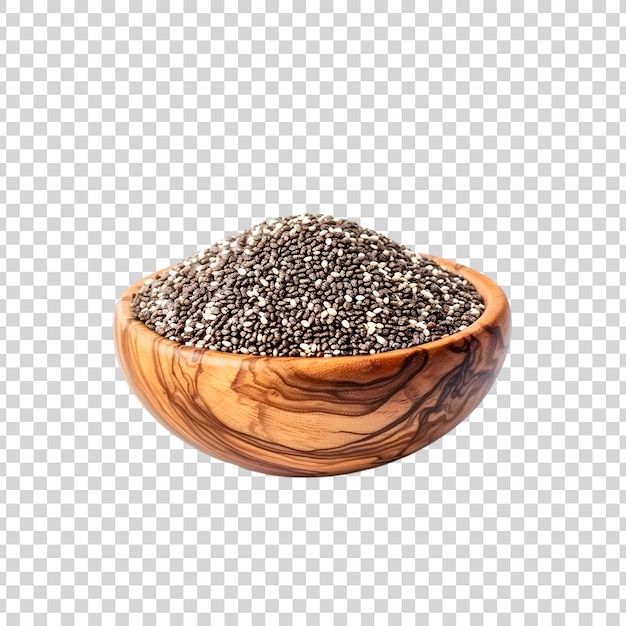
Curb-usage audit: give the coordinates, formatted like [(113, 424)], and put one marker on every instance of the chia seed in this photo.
[(307, 285)]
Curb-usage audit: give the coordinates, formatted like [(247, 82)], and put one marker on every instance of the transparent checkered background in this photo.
[(132, 135)]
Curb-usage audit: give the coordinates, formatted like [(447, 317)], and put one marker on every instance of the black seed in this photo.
[(275, 273)]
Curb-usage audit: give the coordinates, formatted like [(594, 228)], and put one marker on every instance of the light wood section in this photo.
[(314, 416)]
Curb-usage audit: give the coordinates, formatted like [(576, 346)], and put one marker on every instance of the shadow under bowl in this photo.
[(315, 416)]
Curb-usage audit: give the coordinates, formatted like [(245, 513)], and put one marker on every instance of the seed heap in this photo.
[(306, 285)]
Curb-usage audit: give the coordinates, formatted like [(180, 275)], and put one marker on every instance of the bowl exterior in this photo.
[(299, 416)]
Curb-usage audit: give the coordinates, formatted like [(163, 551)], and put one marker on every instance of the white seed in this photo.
[(345, 324), (305, 323)]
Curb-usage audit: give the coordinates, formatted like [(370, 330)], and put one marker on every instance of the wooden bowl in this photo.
[(315, 416)]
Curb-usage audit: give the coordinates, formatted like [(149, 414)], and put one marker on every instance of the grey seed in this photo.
[(405, 294)]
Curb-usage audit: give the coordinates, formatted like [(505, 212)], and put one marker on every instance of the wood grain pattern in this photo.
[(298, 416)]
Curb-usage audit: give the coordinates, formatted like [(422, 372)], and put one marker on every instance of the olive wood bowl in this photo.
[(315, 416)]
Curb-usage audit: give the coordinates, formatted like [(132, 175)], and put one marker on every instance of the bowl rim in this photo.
[(495, 300)]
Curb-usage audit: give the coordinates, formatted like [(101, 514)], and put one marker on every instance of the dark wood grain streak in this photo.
[(315, 416)]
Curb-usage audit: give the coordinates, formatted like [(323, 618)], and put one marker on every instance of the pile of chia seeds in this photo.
[(307, 285)]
